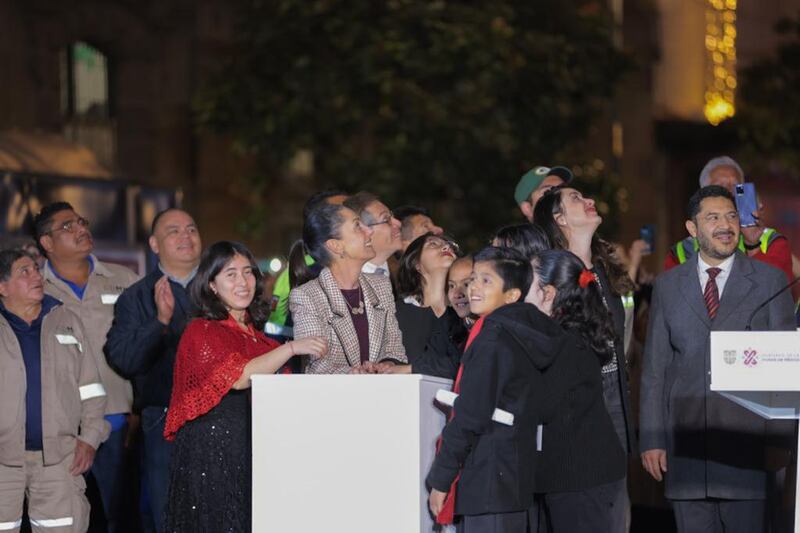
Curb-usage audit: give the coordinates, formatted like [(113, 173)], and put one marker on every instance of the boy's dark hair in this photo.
[(709, 191), (510, 265), (42, 221)]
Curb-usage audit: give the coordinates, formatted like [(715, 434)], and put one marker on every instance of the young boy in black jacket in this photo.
[(502, 368)]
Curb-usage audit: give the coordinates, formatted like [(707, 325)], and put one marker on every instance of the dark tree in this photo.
[(439, 103), (769, 103)]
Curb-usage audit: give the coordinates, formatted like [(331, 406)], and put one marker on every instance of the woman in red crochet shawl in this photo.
[(209, 412)]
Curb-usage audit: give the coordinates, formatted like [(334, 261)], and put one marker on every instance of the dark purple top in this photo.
[(352, 297)]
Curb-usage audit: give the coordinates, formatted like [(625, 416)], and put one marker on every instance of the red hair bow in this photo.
[(585, 278)]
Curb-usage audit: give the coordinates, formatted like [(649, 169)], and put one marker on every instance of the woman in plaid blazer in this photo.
[(354, 311)]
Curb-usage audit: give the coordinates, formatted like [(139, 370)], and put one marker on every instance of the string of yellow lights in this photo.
[(721, 60)]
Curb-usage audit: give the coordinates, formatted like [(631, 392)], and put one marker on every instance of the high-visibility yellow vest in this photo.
[(627, 300), (276, 325), (689, 246)]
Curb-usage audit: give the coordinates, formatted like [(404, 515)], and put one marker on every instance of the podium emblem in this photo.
[(729, 356), (750, 357)]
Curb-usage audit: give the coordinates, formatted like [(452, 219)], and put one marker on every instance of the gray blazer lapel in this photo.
[(692, 291), (737, 287), (341, 322), (376, 318)]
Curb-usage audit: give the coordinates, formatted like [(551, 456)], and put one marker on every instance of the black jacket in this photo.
[(618, 316), (139, 347), (580, 447), (441, 356), (416, 324), (502, 369)]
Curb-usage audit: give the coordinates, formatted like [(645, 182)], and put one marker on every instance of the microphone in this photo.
[(768, 300)]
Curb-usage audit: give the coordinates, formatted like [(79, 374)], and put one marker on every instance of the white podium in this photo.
[(343, 452), (761, 372)]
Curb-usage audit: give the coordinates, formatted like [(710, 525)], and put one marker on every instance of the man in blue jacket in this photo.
[(149, 318)]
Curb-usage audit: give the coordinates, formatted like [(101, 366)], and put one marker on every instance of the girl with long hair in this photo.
[(571, 221), (209, 411), (581, 468)]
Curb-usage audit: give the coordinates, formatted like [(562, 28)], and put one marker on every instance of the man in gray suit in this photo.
[(710, 449)]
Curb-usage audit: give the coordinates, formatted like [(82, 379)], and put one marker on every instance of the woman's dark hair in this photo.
[(213, 260), (576, 308), (528, 239), (318, 197), (409, 280), (322, 222), (512, 267), (544, 215)]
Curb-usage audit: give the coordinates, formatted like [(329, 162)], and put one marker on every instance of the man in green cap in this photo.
[(537, 181)]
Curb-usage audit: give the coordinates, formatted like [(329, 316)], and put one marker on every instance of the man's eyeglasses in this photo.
[(70, 226), (386, 220)]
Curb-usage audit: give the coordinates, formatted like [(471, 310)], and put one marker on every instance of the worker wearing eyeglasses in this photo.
[(90, 288)]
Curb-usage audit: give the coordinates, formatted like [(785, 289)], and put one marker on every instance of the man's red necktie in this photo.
[(711, 292)]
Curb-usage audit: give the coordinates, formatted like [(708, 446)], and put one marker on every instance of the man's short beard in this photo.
[(707, 246)]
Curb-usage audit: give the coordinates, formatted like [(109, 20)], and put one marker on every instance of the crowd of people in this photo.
[(539, 323)]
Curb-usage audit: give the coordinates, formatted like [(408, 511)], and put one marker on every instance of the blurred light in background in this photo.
[(720, 41), (275, 265)]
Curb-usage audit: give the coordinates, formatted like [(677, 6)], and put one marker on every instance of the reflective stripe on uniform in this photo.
[(92, 390), (6, 526), (680, 248), (680, 252), (52, 522), (627, 300), (69, 339), (766, 239)]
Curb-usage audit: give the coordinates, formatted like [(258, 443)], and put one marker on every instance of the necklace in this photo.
[(359, 309)]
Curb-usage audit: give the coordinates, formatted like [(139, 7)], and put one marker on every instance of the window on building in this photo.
[(87, 98), (85, 82)]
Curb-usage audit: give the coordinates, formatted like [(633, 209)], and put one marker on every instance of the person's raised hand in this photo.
[(638, 248), (752, 234), (165, 300)]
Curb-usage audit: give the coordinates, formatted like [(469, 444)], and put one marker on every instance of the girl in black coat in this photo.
[(581, 466)]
